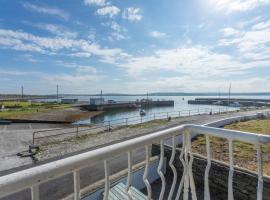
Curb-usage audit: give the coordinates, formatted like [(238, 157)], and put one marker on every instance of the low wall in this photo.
[(244, 181)]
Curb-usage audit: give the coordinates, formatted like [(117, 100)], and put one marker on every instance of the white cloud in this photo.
[(196, 61), (132, 14), (253, 43), (157, 34), (56, 30), (46, 10), (261, 25), (115, 26), (23, 41), (194, 84), (238, 5), (119, 32), (227, 32), (110, 11), (84, 69), (95, 2), (73, 81)]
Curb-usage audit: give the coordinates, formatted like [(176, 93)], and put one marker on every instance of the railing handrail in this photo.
[(34, 176)]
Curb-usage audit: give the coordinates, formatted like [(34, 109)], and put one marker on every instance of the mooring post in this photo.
[(126, 122), (109, 125), (167, 115)]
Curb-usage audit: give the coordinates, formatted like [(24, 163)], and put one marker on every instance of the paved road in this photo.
[(63, 186), (15, 138)]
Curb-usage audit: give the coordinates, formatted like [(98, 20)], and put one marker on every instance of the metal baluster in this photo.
[(107, 180), (161, 160), (181, 157), (186, 178), (129, 178), (191, 179), (145, 180), (35, 192), (76, 178), (260, 172), (207, 169), (173, 168), (230, 181)]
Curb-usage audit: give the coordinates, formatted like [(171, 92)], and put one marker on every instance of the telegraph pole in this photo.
[(229, 94), (57, 92), (22, 91)]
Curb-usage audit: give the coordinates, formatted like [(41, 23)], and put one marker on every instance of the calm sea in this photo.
[(180, 104)]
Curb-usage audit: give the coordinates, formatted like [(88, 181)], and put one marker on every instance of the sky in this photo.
[(134, 46)]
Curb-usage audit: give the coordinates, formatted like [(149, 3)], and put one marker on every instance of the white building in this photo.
[(96, 101)]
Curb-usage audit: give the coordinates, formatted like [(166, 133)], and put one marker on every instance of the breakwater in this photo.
[(128, 104), (230, 102)]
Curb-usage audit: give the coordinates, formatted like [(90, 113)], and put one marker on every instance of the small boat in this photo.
[(142, 112)]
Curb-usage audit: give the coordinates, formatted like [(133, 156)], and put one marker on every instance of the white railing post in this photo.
[(76, 178), (145, 175), (129, 177), (181, 158), (107, 180), (260, 172), (207, 169), (186, 178), (160, 165), (35, 192), (173, 168), (230, 180), (190, 163)]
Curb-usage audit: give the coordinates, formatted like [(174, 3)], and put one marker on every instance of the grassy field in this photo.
[(15, 110), (244, 153), (149, 124)]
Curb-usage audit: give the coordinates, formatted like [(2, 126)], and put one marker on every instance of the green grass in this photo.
[(244, 153), (18, 109), (150, 123)]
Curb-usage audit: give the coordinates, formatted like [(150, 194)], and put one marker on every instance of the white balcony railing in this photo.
[(33, 177)]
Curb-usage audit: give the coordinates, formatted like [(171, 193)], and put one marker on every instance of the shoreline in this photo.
[(65, 115)]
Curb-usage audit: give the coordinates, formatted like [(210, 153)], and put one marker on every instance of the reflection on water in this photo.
[(180, 104)]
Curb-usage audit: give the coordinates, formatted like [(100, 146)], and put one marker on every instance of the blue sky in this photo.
[(134, 46)]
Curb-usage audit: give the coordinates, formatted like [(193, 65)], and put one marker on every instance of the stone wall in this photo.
[(244, 181)]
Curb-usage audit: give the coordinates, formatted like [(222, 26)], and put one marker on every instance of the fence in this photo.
[(63, 133)]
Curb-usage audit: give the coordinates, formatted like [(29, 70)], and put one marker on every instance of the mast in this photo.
[(229, 99)]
